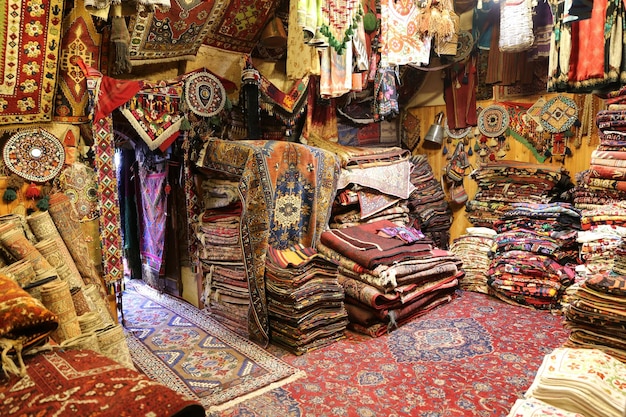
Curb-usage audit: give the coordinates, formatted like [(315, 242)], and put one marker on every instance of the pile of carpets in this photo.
[(534, 251), (304, 299), (474, 249), (225, 285), (45, 255), (429, 210), (390, 274), (503, 182), (596, 315), (574, 383), (603, 229)]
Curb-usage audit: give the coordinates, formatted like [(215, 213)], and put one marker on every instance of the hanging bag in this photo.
[(455, 170), (516, 26)]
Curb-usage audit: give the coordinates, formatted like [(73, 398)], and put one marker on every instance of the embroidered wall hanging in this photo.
[(155, 115), (236, 25), (175, 35), (80, 183), (80, 40), (30, 34), (204, 94), (558, 114), (493, 120), (35, 155), (401, 41)]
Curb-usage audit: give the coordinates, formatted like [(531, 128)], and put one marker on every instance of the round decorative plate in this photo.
[(558, 114), (493, 120), (204, 94), (35, 155)]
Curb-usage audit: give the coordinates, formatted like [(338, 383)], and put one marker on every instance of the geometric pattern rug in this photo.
[(183, 347), (473, 356)]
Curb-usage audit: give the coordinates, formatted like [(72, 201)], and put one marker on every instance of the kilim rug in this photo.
[(187, 350), (471, 357), (30, 34)]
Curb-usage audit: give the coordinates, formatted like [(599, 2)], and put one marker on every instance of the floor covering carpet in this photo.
[(183, 347), (471, 357)]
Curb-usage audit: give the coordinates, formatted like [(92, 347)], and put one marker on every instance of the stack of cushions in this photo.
[(24, 323)]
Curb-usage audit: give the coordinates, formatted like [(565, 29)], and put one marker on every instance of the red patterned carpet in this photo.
[(471, 357)]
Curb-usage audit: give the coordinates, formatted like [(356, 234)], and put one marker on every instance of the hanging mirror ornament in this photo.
[(35, 155), (558, 114), (493, 120), (204, 94)]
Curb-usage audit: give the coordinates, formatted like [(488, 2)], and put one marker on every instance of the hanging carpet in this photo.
[(152, 224), (287, 191), (80, 40), (30, 34), (186, 349)]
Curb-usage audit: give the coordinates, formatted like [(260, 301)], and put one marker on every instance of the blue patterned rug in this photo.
[(183, 347)]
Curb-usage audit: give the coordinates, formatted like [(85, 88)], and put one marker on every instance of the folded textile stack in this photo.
[(598, 247), (225, 286), (390, 274), (429, 210), (532, 250), (501, 183), (532, 407), (304, 298), (585, 381), (474, 250), (596, 315)]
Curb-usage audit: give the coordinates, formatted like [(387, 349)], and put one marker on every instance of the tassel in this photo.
[(44, 203), (185, 124), (9, 195), (33, 191), (120, 38)]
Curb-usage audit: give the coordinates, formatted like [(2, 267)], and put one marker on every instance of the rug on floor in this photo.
[(181, 346), (473, 356)]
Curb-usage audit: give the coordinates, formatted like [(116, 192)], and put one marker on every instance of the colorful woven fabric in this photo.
[(23, 317), (402, 41), (493, 120), (80, 40), (35, 155), (30, 35), (155, 113), (108, 197), (91, 385), (154, 209), (287, 204), (558, 114), (237, 24)]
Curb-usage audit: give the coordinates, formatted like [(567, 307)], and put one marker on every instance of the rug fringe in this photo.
[(261, 391)]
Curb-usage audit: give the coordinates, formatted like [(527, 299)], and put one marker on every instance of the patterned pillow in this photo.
[(23, 317)]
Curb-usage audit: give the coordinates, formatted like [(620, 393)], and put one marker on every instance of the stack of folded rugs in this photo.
[(305, 300), (576, 382)]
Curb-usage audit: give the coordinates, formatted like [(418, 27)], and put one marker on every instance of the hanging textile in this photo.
[(80, 39), (460, 94), (401, 40), (302, 59), (336, 72), (153, 205), (31, 35)]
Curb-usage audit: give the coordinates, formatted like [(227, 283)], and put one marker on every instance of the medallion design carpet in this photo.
[(184, 348), (473, 356)]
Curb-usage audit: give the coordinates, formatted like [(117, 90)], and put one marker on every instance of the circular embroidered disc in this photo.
[(35, 155), (465, 44), (558, 114), (204, 94), (493, 120)]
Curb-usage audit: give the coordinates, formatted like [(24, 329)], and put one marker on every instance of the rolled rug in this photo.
[(43, 228), (51, 249), (16, 243), (112, 342), (90, 322), (100, 304), (84, 341), (22, 271), (57, 298)]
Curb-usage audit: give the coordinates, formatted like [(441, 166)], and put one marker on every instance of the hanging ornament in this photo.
[(470, 152), (444, 150), (32, 191)]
